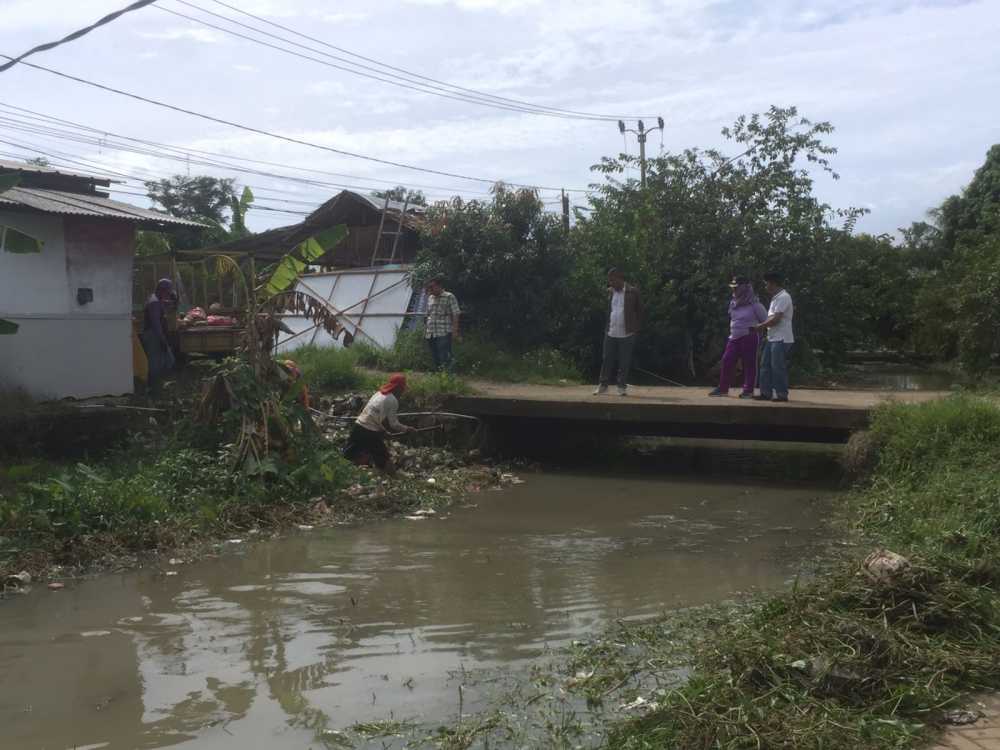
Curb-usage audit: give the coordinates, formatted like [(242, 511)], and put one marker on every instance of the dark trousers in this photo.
[(774, 369), (617, 352), (365, 446), (743, 349), (159, 358), (440, 351)]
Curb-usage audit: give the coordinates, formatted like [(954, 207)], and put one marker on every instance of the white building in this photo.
[(72, 302)]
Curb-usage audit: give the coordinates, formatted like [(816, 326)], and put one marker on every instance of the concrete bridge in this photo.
[(825, 416)]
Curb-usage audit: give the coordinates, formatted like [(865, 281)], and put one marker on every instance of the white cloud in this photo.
[(345, 18), (327, 88), (902, 80), (203, 36)]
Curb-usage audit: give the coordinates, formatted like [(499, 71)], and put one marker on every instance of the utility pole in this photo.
[(565, 211), (641, 134)]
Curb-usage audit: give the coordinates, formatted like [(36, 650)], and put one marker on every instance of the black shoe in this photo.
[(717, 392), (761, 398), (746, 395), (780, 398)]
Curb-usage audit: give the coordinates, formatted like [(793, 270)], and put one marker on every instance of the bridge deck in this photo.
[(811, 415)]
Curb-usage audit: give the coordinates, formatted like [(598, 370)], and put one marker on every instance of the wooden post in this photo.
[(252, 318), (204, 282)]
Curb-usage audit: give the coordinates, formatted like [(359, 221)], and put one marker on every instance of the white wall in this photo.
[(64, 348), (345, 290)]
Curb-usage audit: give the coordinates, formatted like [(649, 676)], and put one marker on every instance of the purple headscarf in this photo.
[(743, 294)]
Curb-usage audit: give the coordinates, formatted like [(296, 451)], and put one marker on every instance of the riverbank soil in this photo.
[(982, 734), (159, 490)]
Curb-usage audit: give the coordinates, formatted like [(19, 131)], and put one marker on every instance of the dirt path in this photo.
[(983, 735), (699, 396)]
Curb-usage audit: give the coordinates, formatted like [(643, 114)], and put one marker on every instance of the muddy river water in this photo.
[(263, 646)]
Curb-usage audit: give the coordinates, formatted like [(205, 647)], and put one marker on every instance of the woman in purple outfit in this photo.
[(745, 312)]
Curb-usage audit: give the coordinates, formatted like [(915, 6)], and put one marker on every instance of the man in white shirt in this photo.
[(624, 320), (773, 378), (366, 443)]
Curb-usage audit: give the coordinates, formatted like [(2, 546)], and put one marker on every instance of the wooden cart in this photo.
[(218, 341)]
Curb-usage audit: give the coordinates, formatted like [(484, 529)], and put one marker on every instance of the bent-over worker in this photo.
[(366, 443)]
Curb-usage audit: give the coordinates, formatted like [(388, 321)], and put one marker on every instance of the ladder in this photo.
[(376, 258)]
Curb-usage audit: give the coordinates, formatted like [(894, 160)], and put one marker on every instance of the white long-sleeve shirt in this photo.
[(379, 410)]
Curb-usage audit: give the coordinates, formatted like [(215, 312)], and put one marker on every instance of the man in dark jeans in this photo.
[(442, 323), (780, 337), (624, 321)]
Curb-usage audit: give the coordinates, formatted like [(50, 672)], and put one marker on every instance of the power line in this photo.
[(96, 170), (413, 81), (76, 34), (101, 172), (276, 136), (252, 207), (100, 138), (475, 92), (410, 86), (184, 158)]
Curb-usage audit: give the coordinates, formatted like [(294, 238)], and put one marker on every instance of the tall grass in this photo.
[(475, 356), (335, 370), (845, 662), (936, 490), (330, 369)]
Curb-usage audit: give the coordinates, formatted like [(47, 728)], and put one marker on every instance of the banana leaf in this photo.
[(309, 251)]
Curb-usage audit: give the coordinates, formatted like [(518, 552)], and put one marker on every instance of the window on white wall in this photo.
[(13, 241)]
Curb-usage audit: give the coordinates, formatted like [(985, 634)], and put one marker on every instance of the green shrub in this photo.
[(410, 352), (919, 440), (476, 356), (428, 389), (936, 491), (140, 500), (329, 369)]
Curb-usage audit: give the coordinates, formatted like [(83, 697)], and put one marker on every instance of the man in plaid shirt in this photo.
[(442, 323)]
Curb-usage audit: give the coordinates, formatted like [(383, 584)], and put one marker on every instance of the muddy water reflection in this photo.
[(334, 627)]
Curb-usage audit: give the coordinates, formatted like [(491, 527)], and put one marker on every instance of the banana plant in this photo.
[(253, 386), (239, 206), (14, 241), (291, 266)]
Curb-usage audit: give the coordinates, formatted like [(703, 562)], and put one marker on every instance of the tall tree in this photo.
[(199, 197), (956, 261), (504, 259), (706, 215), (210, 200)]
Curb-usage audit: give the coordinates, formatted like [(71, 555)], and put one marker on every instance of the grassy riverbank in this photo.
[(175, 494), (841, 661), (476, 356)]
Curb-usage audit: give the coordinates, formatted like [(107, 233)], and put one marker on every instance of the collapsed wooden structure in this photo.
[(382, 235)]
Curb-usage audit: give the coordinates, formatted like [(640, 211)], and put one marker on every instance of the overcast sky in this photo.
[(912, 87)]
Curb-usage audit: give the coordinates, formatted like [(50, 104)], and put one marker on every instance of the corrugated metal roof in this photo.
[(379, 203), (77, 204), (20, 166)]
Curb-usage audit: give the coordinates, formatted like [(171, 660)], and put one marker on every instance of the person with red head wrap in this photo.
[(366, 443)]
